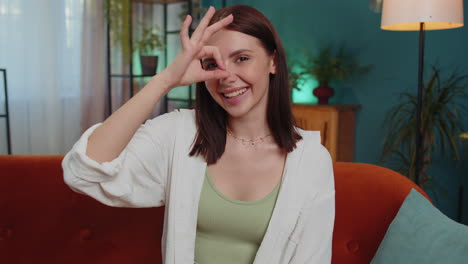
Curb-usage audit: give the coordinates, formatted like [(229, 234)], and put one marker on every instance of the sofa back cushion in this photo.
[(43, 221), (367, 199)]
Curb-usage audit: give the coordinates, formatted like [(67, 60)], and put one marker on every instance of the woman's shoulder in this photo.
[(169, 125), (174, 117), (309, 137), (316, 158), (178, 114), (313, 144), (187, 113)]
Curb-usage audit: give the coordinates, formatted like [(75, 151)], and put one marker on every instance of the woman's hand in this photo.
[(186, 69)]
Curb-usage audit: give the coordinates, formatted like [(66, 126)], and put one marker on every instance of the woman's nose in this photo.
[(232, 75)]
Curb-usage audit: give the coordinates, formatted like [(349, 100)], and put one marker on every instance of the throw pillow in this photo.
[(420, 233)]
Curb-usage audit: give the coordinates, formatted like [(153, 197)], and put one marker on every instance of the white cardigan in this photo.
[(155, 169)]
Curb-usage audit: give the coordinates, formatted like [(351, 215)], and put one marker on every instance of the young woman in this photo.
[(240, 183)]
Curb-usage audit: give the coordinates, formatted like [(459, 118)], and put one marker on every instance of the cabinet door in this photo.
[(323, 119)]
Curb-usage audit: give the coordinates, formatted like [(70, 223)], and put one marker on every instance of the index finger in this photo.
[(184, 31), (203, 24), (216, 27)]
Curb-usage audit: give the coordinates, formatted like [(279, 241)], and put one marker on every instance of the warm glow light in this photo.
[(406, 15)]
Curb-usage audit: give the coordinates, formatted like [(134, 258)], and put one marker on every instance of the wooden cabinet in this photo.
[(336, 125)]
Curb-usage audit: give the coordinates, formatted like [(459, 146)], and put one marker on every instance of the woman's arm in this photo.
[(109, 139), (138, 176), (123, 162)]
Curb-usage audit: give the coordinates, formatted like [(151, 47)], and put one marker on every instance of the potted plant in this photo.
[(197, 11), (146, 44), (295, 80), (328, 66), (441, 124), (464, 136), (295, 73), (117, 15), (146, 40)]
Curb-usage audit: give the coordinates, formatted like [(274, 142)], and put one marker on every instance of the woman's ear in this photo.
[(273, 63)]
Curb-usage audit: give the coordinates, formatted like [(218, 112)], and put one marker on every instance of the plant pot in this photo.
[(323, 92), (149, 65)]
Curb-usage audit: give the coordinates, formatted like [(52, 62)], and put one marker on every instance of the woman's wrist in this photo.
[(162, 82)]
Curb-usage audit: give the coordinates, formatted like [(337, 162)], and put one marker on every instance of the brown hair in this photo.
[(212, 119)]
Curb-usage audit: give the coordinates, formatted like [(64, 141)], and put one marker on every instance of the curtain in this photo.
[(94, 92), (94, 96), (55, 55), (40, 46)]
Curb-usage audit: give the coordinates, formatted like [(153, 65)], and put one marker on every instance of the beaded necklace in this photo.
[(248, 142)]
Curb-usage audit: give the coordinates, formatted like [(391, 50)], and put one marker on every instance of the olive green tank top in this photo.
[(230, 231)]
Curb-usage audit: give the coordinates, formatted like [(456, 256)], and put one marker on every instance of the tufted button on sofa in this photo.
[(43, 221), (6, 233), (353, 247), (368, 197)]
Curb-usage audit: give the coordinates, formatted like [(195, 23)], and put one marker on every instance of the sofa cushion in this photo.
[(420, 233), (368, 198), (43, 221)]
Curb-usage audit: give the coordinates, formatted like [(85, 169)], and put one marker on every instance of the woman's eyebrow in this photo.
[(237, 52), (234, 53)]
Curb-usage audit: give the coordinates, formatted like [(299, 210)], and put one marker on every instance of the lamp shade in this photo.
[(406, 15)]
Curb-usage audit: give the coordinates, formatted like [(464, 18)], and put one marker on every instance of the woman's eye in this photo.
[(243, 58), (210, 66)]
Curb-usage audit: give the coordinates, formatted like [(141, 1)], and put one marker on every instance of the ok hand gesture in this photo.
[(186, 69)]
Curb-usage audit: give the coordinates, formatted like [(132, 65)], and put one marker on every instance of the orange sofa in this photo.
[(43, 221)]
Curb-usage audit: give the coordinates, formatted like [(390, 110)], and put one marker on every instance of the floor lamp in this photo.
[(421, 15)]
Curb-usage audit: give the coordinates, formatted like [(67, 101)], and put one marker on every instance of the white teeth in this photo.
[(236, 93)]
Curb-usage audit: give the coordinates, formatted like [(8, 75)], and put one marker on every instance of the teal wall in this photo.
[(305, 24)]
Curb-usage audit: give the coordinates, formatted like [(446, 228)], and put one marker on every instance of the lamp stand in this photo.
[(419, 134)]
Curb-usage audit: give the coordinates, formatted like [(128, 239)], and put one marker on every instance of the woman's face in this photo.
[(249, 65)]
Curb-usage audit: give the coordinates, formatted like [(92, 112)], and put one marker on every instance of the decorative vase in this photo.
[(323, 92), (149, 65)]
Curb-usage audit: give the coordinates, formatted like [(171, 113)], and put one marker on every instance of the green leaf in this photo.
[(440, 124)]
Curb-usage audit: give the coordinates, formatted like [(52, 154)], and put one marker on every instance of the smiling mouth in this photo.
[(235, 93)]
